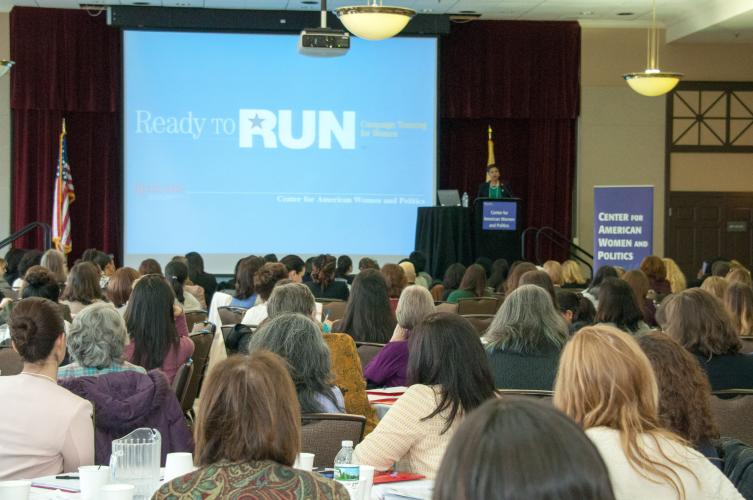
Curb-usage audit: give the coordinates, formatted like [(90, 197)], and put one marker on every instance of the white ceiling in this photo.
[(729, 21)]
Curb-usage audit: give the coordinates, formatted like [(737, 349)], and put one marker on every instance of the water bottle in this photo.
[(465, 200), (345, 455)]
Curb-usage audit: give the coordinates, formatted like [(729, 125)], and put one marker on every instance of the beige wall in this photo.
[(4, 130), (621, 135)]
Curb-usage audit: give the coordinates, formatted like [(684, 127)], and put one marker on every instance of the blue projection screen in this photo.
[(235, 145)]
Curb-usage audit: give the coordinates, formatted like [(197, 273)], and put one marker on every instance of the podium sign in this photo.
[(499, 216)]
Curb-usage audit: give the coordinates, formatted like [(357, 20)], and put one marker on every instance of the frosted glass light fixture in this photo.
[(374, 21)]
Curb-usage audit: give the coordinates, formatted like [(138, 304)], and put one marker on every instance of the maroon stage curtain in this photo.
[(523, 79), (68, 65)]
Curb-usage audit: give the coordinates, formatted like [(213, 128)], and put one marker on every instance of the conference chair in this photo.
[(446, 307), (368, 351), (182, 376), (528, 393), (733, 410), (333, 310), (323, 300), (323, 433), (202, 342), (230, 315), (480, 321), (194, 317), (478, 305), (10, 362)]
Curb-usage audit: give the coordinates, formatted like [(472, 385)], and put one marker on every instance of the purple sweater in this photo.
[(388, 368)]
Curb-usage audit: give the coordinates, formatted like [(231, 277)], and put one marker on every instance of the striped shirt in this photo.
[(76, 370)]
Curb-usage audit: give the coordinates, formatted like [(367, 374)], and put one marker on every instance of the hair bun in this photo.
[(23, 328), (38, 277)]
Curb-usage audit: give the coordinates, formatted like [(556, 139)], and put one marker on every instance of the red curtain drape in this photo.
[(68, 65), (523, 79)]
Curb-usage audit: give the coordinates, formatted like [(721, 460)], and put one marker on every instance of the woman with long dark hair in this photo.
[(82, 288), (525, 436), (323, 284), (618, 307), (472, 285), (368, 316), (592, 292), (452, 278), (197, 275), (176, 274), (155, 342), (245, 291), (449, 377)]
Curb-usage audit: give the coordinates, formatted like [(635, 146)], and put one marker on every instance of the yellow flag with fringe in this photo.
[(490, 156)]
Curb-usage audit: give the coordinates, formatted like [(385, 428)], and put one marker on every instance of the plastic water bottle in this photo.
[(345, 455), (465, 200)]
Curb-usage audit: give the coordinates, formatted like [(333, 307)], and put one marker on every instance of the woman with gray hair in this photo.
[(291, 298), (96, 341), (389, 367), (525, 339), (298, 340)]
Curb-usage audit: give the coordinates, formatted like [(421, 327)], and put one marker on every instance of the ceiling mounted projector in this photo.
[(323, 41)]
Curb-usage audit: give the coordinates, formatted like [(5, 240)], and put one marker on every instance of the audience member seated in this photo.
[(554, 270), (738, 299), (517, 270), (30, 259), (419, 265), (524, 340), (12, 259), (606, 384), (638, 282), (368, 315), (500, 270), (295, 267), (106, 264), (540, 279), (656, 272), (149, 266), (40, 282), (449, 377), (96, 341), (389, 367), (716, 286), (344, 269), (592, 292), (126, 401), (409, 271), (55, 261), (675, 276), (176, 274), (572, 275), (367, 263), (510, 449), (684, 393), (119, 287), (394, 275), (245, 292), (472, 285), (323, 284), (577, 310), (618, 307), (198, 276), (700, 323), (45, 429), (190, 286), (6, 291), (346, 364), (265, 280), (82, 288), (248, 450), (452, 278), (739, 275), (155, 340), (298, 340)]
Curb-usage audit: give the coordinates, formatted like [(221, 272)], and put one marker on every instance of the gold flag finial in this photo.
[(490, 132)]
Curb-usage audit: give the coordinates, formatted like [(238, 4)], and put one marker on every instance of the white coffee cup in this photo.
[(366, 481), (15, 490), (178, 464), (117, 492), (91, 479), (304, 461)]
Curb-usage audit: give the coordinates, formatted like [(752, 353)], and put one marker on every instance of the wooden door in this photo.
[(704, 225)]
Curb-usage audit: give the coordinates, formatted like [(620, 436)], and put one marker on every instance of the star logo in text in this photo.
[(256, 121)]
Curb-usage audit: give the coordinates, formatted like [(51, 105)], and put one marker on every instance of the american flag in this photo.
[(63, 197)]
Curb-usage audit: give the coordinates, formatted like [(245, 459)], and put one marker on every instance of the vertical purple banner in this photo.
[(623, 225)]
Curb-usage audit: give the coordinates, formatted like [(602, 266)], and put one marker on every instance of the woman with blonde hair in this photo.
[(554, 270), (606, 385), (675, 276), (716, 286), (54, 260), (572, 275), (739, 275), (739, 302)]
